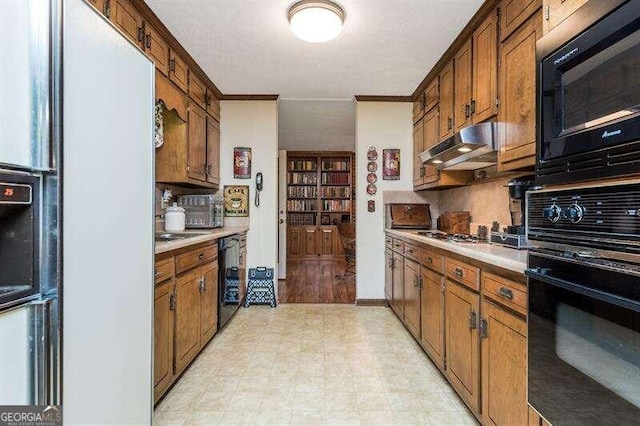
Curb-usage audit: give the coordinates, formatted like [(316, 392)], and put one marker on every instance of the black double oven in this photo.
[(584, 272)]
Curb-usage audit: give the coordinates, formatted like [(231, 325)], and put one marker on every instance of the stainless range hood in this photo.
[(472, 148)]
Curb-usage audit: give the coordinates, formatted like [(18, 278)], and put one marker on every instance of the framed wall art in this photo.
[(236, 200), (242, 163), (391, 164)]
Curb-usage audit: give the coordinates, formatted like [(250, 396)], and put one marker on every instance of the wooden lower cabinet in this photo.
[(397, 302), (412, 296), (294, 242), (187, 318), (388, 276), (310, 236), (504, 366), (432, 316), (163, 328), (313, 242), (462, 342), (209, 302)]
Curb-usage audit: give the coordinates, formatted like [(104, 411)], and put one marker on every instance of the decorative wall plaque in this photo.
[(236, 200), (390, 164), (242, 163)]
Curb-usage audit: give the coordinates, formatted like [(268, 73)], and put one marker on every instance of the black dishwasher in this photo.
[(228, 278)]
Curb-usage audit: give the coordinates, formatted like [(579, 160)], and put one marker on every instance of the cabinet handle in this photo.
[(156, 273), (209, 169), (473, 320), (430, 259), (207, 100), (421, 171), (201, 256), (106, 9), (148, 41), (204, 284), (483, 328), (416, 282), (172, 300), (420, 282), (459, 272), (172, 65), (141, 33), (201, 286), (467, 111), (506, 293), (205, 168), (410, 251), (449, 123), (473, 106)]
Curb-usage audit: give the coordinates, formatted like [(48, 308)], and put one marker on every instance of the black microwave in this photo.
[(589, 95)]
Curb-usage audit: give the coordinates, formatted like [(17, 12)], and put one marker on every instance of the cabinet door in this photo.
[(418, 139), (310, 242), (485, 70), (163, 319), (209, 302), (556, 11), (517, 115), (412, 296), (462, 84), (242, 273), (213, 105), (187, 318), (197, 166), (327, 242), (398, 285), (432, 94), (504, 367), (178, 71), (294, 242), (388, 276), (157, 49), (418, 109), (432, 315), (431, 138), (197, 90), (213, 151), (127, 19), (515, 13), (446, 102), (463, 352)]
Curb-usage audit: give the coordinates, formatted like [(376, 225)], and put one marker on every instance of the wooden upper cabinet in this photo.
[(178, 72), (197, 142), (463, 350), (128, 19), (485, 70), (517, 113), (432, 316), (463, 68), (446, 101), (197, 90), (432, 94), (213, 105), (157, 48), (418, 108), (418, 138), (188, 301), (209, 302), (398, 285), (412, 296), (101, 5), (556, 11), (504, 367), (431, 138), (514, 13), (213, 151), (163, 320)]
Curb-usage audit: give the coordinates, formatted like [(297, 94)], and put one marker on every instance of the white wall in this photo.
[(383, 125), (254, 124)]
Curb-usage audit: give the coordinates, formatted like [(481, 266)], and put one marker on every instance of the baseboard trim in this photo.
[(371, 302)]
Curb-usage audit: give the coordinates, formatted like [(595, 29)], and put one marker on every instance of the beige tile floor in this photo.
[(313, 364)]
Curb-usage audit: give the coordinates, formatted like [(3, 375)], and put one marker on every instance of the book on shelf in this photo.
[(302, 205), (302, 192), (336, 165), (303, 165), (336, 192), (303, 178), (335, 179), (301, 219), (336, 205)]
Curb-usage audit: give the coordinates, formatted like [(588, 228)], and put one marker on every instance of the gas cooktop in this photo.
[(456, 238)]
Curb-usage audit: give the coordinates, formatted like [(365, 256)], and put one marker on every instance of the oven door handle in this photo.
[(621, 302)]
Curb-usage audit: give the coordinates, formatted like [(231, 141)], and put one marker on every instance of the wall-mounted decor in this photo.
[(372, 166), (372, 178), (371, 206), (390, 164), (236, 200), (372, 153), (242, 163), (372, 189)]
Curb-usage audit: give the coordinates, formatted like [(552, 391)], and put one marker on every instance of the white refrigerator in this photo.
[(95, 157)]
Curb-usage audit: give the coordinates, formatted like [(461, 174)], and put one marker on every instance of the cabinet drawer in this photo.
[(163, 270), (411, 251), (506, 292), (398, 246), (432, 260), (462, 273), (194, 258), (388, 242)]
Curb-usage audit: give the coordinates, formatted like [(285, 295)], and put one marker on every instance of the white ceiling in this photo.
[(316, 125), (246, 47)]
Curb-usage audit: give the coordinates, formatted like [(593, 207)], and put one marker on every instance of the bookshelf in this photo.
[(320, 195)]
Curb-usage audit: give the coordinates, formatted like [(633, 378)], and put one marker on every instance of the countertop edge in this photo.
[(214, 234)]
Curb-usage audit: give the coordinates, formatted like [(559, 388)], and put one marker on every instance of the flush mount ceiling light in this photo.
[(316, 21)]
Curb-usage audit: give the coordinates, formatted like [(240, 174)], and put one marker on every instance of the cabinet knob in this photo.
[(459, 272), (506, 293), (201, 256)]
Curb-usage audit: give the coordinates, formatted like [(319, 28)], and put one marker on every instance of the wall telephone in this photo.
[(258, 188)]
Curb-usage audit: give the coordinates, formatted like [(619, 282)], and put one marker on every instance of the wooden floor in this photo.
[(314, 281)]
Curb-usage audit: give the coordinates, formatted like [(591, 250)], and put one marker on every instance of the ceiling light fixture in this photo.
[(316, 21)]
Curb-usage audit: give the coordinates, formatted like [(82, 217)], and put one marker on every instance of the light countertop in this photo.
[(200, 236), (502, 257)]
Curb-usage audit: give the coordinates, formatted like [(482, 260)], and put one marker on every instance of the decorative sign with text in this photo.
[(242, 163), (236, 200), (390, 164)]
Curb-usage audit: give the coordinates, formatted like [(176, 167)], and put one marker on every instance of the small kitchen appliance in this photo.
[(514, 235), (203, 211), (407, 216)]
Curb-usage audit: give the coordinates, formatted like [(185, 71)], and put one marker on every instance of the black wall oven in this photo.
[(589, 95), (584, 305)]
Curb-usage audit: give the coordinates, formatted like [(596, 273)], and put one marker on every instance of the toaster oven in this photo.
[(202, 211)]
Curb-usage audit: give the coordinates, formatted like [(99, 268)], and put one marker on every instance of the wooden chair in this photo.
[(347, 233)]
